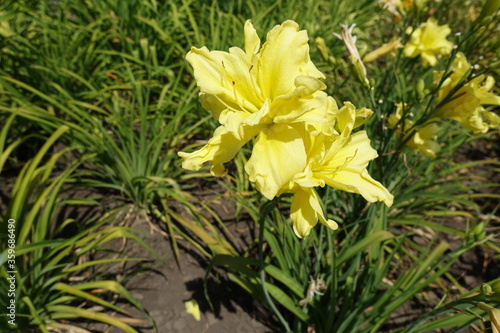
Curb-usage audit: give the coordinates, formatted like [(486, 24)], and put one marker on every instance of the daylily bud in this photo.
[(494, 316), (420, 88), (387, 48), (320, 44), (323, 50), (478, 232), (486, 288)]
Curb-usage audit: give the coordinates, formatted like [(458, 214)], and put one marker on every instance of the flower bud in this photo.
[(478, 232), (494, 316), (320, 44), (420, 88), (486, 288)]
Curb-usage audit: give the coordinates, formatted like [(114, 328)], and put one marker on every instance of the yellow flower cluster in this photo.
[(466, 103), (420, 139), (459, 99), (273, 94)]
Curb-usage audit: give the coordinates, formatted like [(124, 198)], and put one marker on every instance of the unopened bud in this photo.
[(478, 232), (494, 315), (486, 288), (323, 50), (420, 89), (387, 48)]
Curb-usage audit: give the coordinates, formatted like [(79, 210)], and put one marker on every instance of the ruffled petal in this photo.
[(252, 40), (277, 156), (227, 76), (305, 211), (283, 57), (357, 151), (357, 180), (241, 124)]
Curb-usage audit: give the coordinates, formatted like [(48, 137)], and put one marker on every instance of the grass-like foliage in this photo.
[(44, 260)]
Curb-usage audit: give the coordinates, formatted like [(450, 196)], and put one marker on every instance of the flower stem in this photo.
[(264, 212)]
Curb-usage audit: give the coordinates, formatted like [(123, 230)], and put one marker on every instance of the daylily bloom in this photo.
[(422, 139), (466, 105), (257, 91), (428, 41), (339, 160), (302, 139)]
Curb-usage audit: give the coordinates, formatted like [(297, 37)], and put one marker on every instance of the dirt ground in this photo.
[(164, 291)]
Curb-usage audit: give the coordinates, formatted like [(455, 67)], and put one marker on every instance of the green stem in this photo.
[(264, 212)]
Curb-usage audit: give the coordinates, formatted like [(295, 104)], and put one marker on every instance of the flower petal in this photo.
[(252, 40), (228, 76), (305, 212), (221, 148), (357, 180), (283, 57), (278, 154)]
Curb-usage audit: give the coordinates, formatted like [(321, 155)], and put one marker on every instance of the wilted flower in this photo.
[(466, 104), (392, 6), (420, 140), (428, 41), (357, 66)]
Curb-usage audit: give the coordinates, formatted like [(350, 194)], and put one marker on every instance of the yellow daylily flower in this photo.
[(302, 139), (422, 139), (250, 91), (340, 161), (428, 41), (292, 160), (279, 153), (466, 105)]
